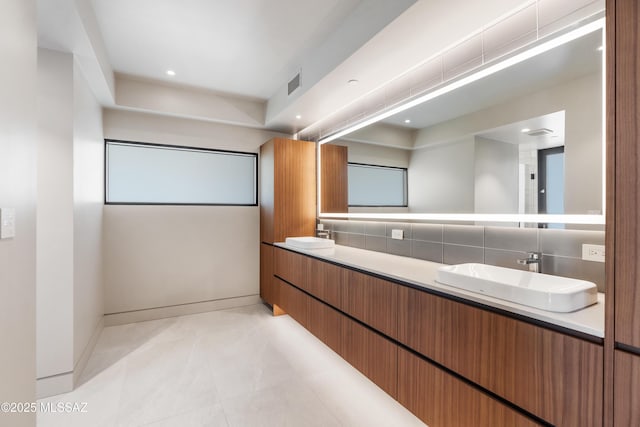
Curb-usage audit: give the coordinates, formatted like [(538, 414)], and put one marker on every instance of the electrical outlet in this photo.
[(593, 252), (320, 227), (397, 234)]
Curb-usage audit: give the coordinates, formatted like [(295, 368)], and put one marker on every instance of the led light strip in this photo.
[(518, 218)]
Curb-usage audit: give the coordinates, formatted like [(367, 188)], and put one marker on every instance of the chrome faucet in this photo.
[(534, 261), (325, 234)]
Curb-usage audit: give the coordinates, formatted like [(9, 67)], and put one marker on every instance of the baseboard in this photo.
[(144, 315), (55, 384), (86, 353), (67, 381)]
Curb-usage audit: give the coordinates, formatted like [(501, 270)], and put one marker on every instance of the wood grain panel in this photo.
[(373, 301), (610, 229), (294, 302), (372, 354), (627, 389), (554, 376), (267, 196), (334, 185), (326, 324), (441, 400), (294, 189), (291, 267), (326, 281), (267, 288), (627, 176)]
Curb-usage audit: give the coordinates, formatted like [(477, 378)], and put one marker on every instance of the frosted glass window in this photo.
[(371, 185), (158, 174)]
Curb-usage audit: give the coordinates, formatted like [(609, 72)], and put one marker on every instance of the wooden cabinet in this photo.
[(442, 400), (287, 198), (334, 185), (267, 286), (373, 301), (287, 190), (627, 389), (552, 375), (556, 377)]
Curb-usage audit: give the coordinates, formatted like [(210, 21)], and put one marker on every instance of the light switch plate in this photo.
[(593, 252), (397, 234), (7, 223)]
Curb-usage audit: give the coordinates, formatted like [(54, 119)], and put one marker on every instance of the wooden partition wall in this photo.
[(622, 329)]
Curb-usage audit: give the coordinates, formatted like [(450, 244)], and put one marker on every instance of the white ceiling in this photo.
[(512, 133), (244, 47)]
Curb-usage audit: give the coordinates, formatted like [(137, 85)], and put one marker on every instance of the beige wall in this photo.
[(88, 198), (496, 176), (161, 256), (18, 83), (441, 178), (583, 134), (69, 219), (55, 214)]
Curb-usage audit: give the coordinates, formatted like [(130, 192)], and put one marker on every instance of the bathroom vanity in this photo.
[(450, 356)]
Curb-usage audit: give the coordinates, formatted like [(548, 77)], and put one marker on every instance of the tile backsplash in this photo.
[(455, 244)]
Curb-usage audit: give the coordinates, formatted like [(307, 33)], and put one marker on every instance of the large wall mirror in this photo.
[(525, 140)]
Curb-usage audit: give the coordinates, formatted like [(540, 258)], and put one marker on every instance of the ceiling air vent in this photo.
[(294, 84), (540, 132)]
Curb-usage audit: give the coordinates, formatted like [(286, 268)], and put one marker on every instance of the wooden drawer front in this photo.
[(554, 376), (326, 324), (325, 281), (372, 354), (267, 288), (294, 302), (291, 267), (441, 400), (372, 301), (627, 389)]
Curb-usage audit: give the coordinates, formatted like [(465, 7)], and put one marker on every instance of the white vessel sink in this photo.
[(310, 242), (544, 291)]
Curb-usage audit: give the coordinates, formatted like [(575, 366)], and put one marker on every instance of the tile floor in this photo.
[(239, 367)]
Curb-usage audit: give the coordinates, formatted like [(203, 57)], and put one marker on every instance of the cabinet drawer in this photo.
[(627, 389), (442, 400), (372, 354), (291, 267), (371, 300), (326, 325), (326, 281), (267, 287), (554, 376), (294, 302)]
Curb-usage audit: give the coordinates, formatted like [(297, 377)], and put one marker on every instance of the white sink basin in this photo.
[(310, 242), (544, 291)]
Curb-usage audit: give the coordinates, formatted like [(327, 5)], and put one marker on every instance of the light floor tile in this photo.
[(233, 368)]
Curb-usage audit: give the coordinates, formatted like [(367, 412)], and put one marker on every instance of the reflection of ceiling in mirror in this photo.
[(515, 133), (562, 64)]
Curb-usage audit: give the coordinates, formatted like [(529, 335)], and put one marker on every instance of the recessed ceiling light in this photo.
[(525, 130), (352, 82), (408, 121), (171, 73), (298, 116)]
